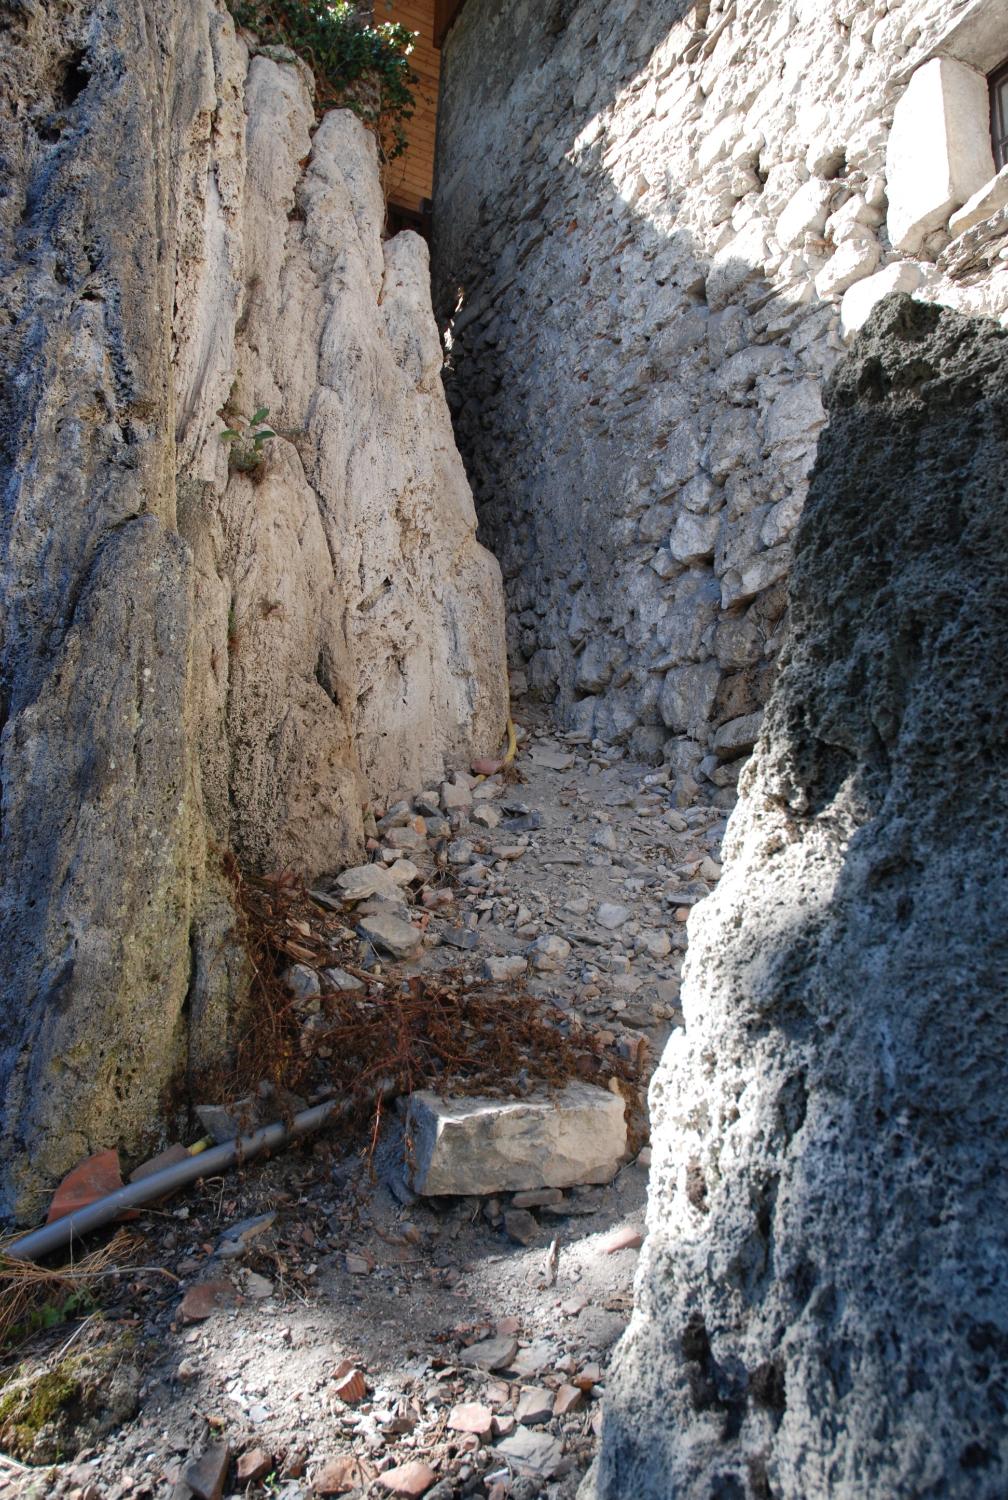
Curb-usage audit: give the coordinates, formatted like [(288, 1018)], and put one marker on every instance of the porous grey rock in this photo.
[(821, 1304), (467, 1146)]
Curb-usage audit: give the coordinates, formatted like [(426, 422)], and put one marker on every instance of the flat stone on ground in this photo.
[(364, 881), (491, 1354), (533, 1453), (471, 1416), (391, 935), (206, 1298), (501, 968), (535, 1405), (337, 1476), (205, 1475), (473, 1146), (413, 1478), (611, 915)]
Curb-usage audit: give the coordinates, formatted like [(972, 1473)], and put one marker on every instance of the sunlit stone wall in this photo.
[(656, 225)]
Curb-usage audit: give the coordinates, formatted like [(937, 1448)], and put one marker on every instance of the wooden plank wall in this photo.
[(411, 176)]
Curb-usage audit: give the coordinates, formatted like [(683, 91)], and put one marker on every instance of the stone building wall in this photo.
[(656, 225)]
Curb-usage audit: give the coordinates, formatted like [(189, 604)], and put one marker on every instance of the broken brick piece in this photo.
[(88, 1181), (337, 1476), (349, 1384), (567, 1399), (204, 1298), (410, 1479), (254, 1465), (471, 1417)]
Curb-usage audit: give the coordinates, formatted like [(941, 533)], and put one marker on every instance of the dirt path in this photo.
[(357, 1277)]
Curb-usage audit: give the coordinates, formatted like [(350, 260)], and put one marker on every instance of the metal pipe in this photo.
[(180, 1174)]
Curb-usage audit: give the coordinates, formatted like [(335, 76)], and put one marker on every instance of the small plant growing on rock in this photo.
[(247, 441), (356, 65)]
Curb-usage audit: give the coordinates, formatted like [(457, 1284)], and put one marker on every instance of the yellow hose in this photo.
[(512, 751)]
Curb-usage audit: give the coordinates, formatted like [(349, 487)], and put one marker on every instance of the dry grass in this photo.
[(34, 1297)]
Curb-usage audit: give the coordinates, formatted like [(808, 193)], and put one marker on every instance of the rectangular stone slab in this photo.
[(480, 1145)]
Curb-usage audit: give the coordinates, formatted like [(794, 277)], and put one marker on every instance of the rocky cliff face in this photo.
[(197, 659), (820, 1308)]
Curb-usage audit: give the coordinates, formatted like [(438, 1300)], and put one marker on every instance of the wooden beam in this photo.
[(445, 12)]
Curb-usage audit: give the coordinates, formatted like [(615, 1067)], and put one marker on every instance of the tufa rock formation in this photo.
[(821, 1308), (200, 658)]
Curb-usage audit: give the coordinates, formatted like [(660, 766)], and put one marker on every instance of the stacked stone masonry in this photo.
[(656, 226)]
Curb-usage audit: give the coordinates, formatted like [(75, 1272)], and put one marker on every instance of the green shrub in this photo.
[(247, 441), (356, 66)]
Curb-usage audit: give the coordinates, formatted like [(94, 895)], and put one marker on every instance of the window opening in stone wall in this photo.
[(999, 114)]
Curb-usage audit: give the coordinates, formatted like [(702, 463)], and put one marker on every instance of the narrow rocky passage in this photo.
[(352, 1329)]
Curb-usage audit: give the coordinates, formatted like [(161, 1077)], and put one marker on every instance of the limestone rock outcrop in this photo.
[(200, 655), (821, 1306)]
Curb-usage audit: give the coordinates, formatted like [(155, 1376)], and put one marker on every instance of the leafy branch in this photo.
[(356, 65), (248, 440)]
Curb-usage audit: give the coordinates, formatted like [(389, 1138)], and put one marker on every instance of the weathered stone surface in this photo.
[(491, 1354), (939, 151), (390, 934), (864, 296), (829, 1203), (533, 1453), (478, 1145), (361, 882), (197, 659), (652, 213), (984, 203)]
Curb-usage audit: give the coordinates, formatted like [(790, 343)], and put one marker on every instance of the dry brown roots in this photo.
[(444, 1031)]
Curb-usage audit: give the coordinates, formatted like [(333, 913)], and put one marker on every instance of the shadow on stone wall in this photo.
[(637, 416), (822, 1306)]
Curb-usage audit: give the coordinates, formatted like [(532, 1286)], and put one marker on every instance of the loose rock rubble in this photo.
[(363, 1339)]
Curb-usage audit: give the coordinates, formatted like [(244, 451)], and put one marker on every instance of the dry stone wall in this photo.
[(198, 661), (656, 225)]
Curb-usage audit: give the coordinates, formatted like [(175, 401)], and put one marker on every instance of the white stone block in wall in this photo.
[(853, 260), (939, 151), (860, 299), (693, 536), (805, 213)]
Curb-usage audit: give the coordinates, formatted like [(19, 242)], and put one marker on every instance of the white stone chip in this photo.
[(853, 260), (984, 203)]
